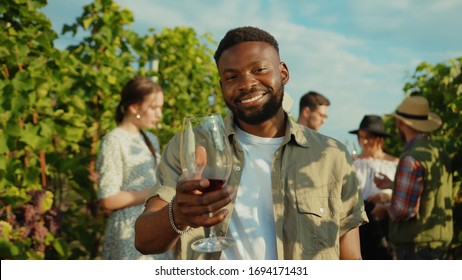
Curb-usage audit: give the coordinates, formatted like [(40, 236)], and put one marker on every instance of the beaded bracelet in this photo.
[(172, 221)]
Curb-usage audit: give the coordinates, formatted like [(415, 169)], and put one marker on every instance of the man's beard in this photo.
[(260, 115)]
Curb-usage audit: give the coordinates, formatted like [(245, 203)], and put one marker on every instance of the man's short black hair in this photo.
[(244, 34)]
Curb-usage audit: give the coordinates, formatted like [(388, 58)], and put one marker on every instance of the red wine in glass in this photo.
[(215, 184), (206, 153)]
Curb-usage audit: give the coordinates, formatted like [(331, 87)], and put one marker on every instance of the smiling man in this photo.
[(297, 193)]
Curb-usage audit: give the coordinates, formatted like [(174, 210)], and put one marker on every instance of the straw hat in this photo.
[(372, 123), (414, 112)]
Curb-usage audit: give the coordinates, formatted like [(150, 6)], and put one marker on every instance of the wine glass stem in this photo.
[(212, 233)]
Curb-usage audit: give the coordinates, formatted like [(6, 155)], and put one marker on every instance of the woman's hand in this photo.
[(382, 181)]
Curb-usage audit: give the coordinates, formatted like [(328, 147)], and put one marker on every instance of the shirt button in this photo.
[(321, 210), (238, 168)]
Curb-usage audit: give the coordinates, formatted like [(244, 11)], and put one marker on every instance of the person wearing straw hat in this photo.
[(373, 159), (421, 223)]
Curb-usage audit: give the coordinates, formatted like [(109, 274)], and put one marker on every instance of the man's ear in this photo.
[(284, 72), (306, 112)]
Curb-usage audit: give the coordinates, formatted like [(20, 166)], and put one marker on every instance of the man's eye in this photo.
[(259, 70), (230, 77)]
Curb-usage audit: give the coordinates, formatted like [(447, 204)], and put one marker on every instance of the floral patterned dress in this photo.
[(125, 164)]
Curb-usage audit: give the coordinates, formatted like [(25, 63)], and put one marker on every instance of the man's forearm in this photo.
[(153, 232)]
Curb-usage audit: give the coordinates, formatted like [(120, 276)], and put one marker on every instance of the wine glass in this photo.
[(206, 153), (352, 148)]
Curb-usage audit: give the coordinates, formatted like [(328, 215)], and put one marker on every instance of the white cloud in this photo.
[(419, 24)]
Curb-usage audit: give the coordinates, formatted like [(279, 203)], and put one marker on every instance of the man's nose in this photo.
[(247, 82)]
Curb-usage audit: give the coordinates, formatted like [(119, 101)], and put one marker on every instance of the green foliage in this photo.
[(56, 105), (441, 84), (187, 74), (26, 58)]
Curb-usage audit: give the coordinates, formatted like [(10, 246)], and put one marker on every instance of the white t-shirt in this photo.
[(252, 222), (365, 171)]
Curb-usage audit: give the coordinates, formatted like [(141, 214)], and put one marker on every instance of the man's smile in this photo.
[(251, 99)]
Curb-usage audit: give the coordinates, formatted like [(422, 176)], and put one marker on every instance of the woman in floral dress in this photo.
[(126, 164)]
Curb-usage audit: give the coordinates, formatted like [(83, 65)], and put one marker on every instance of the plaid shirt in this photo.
[(408, 186)]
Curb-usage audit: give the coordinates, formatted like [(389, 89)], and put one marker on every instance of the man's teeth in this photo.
[(252, 99)]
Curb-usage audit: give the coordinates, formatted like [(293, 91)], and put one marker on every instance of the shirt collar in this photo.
[(418, 137), (293, 130)]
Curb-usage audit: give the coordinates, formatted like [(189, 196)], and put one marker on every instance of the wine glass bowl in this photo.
[(206, 153)]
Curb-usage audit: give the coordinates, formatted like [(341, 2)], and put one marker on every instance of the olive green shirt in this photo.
[(316, 196)]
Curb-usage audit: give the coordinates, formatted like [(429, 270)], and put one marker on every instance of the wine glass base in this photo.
[(212, 244)]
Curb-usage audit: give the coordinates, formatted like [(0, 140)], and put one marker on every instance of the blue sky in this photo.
[(359, 53)]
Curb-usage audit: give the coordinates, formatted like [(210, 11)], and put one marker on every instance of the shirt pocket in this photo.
[(318, 219)]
